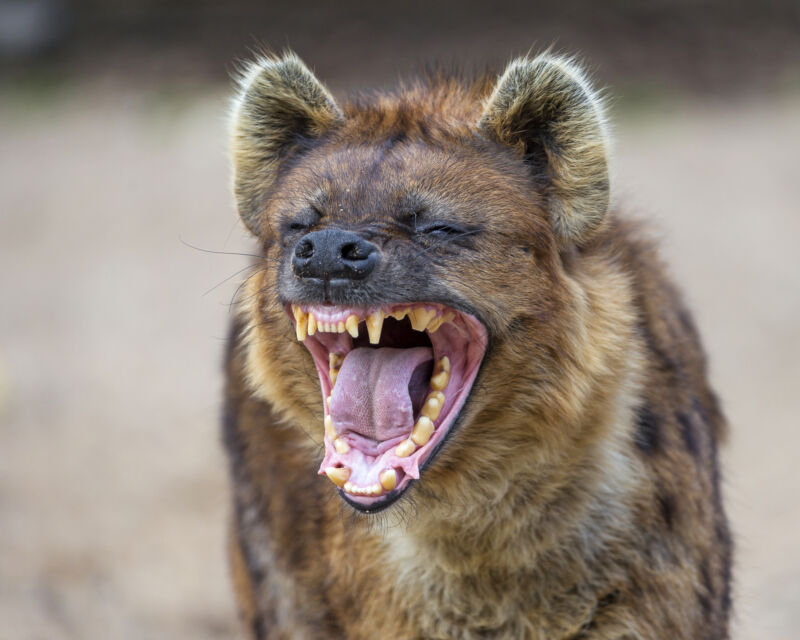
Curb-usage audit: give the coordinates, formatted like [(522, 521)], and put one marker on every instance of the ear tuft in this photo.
[(279, 104), (547, 108)]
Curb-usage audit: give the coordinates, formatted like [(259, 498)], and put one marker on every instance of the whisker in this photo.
[(223, 253), (236, 273)]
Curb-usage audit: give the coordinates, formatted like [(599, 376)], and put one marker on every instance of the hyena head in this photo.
[(413, 311)]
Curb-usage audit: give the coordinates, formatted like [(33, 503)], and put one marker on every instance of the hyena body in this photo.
[(514, 418)]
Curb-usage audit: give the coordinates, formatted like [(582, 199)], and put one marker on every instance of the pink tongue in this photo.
[(371, 392)]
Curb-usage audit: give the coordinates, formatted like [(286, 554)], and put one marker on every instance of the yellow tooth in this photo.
[(420, 317), (341, 446), (434, 324), (301, 323), (338, 475), (388, 478), (399, 314), (443, 364), (405, 449), (329, 400), (351, 324), (340, 326), (375, 326), (335, 360), (440, 380), (423, 430), (312, 324), (333, 374), (330, 431), (433, 405)]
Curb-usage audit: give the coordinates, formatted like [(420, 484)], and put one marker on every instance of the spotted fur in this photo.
[(578, 496)]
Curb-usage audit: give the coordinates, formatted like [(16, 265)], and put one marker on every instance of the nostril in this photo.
[(352, 251), (304, 249)]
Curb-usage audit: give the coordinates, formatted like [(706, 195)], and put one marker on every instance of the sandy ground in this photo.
[(112, 481)]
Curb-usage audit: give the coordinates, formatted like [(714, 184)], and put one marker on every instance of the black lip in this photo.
[(375, 507)]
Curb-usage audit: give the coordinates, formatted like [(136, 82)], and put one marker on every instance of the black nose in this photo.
[(333, 254)]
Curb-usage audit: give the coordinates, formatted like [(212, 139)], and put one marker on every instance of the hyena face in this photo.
[(413, 247)]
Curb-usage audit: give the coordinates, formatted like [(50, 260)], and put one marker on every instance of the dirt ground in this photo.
[(113, 496)]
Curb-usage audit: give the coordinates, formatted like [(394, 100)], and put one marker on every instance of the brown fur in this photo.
[(578, 496)]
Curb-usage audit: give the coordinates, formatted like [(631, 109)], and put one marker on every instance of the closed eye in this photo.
[(441, 229), (303, 221), (447, 232)]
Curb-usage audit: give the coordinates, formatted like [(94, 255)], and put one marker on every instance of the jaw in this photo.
[(393, 380)]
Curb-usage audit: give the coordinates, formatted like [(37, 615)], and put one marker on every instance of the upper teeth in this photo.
[(375, 326), (422, 319)]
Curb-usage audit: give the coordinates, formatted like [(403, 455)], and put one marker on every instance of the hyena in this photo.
[(463, 400)]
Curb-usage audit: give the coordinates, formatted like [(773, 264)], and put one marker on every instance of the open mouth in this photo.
[(393, 381)]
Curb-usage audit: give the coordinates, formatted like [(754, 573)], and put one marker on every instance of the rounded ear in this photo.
[(280, 103), (547, 108)]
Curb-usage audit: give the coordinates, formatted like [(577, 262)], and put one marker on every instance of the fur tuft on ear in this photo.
[(279, 104), (547, 108)]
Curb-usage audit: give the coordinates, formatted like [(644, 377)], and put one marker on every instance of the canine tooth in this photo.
[(433, 405), (301, 325), (301, 321), (375, 326), (338, 475), (423, 430), (333, 374), (440, 380), (341, 446), (388, 478), (340, 326), (330, 430), (335, 360), (420, 317), (405, 449), (312, 324), (351, 324)]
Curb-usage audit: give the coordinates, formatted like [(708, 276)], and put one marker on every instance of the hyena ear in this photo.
[(546, 108), (280, 105)]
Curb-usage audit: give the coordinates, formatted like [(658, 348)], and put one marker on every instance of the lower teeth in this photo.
[(420, 434)]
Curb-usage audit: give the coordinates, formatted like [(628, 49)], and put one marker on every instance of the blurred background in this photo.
[(119, 257)]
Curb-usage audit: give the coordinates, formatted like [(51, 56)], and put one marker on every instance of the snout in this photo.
[(334, 254)]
